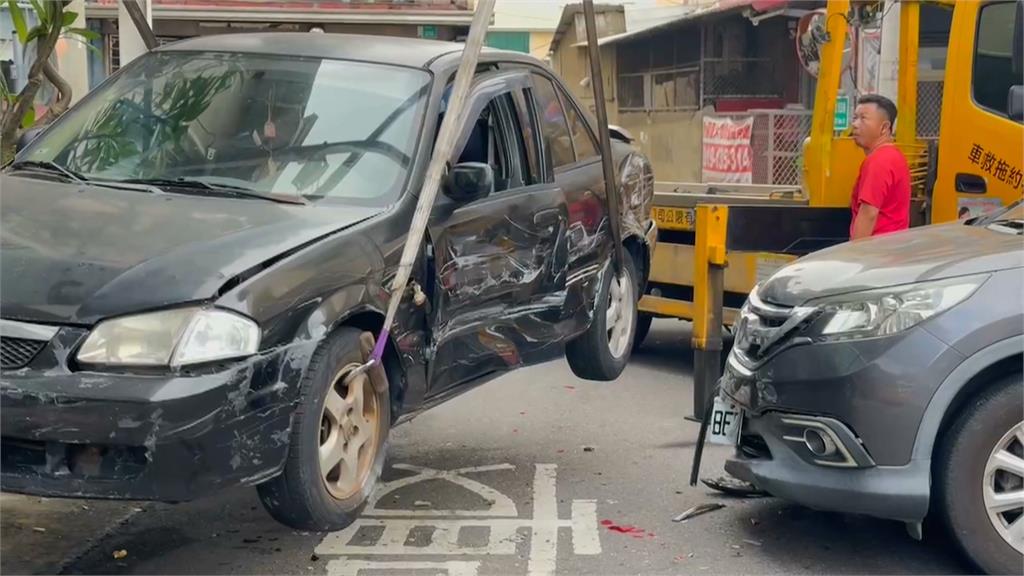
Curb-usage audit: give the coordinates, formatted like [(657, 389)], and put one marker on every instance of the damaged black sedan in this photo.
[(197, 255)]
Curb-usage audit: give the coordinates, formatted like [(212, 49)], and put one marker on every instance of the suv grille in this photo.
[(18, 352)]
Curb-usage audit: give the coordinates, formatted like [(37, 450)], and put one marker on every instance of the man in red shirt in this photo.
[(881, 197)]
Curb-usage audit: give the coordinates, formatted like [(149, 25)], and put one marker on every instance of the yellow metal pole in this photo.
[(708, 287), (819, 150), (906, 99)]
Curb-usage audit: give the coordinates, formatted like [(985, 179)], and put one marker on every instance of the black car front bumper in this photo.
[(168, 437)]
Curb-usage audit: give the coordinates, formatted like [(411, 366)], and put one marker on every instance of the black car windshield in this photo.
[(309, 128)]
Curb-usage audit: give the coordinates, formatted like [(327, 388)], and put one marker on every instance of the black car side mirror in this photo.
[(1015, 103), (469, 181), (27, 137)]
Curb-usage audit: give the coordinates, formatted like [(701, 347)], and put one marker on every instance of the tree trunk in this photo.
[(60, 105), (9, 127)]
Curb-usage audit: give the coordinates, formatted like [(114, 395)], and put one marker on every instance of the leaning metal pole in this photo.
[(597, 82), (139, 19), (453, 119)]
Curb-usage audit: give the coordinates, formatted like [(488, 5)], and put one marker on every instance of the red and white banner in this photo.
[(728, 156)]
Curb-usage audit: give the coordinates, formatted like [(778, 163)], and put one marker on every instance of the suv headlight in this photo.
[(171, 338), (891, 310)]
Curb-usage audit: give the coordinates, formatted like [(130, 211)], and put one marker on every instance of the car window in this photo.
[(270, 124), (491, 142), (554, 127), (533, 171), (582, 140), (511, 134), (993, 56)]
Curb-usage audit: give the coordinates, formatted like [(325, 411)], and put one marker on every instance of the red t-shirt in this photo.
[(884, 182)]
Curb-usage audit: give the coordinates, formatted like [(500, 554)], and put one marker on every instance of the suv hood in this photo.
[(930, 253), (76, 254)]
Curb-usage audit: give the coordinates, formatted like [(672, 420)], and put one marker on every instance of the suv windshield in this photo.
[(301, 127)]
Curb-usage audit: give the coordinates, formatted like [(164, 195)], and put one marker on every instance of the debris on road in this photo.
[(588, 448), (422, 504), (734, 487), (314, 558), (754, 542), (38, 529), (754, 521), (120, 554), (698, 510)]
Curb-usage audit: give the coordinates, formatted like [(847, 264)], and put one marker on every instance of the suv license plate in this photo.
[(726, 419)]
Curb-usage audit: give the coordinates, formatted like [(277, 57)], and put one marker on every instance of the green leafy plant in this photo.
[(18, 115)]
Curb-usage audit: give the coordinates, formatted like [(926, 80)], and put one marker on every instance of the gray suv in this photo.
[(883, 377)]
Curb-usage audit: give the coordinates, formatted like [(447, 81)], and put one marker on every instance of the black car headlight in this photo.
[(889, 311), (171, 338)]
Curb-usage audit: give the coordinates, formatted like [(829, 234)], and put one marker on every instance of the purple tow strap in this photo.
[(378, 348)]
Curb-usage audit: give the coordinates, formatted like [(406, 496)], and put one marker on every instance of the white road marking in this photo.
[(380, 533), (502, 504), (544, 543), (444, 540), (346, 567)]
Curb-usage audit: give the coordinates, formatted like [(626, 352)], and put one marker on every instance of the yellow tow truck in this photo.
[(716, 241)]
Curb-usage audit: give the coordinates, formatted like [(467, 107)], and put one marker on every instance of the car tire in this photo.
[(990, 424), (301, 496), (601, 353), (643, 327)]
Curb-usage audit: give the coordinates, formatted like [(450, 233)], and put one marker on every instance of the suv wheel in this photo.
[(982, 478), (601, 353), (338, 442)]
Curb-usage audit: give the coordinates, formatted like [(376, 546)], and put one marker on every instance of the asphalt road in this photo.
[(537, 472)]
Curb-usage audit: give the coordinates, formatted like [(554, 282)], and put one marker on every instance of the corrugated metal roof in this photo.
[(693, 13)]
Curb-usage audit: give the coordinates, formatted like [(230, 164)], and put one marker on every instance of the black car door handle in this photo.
[(970, 184)]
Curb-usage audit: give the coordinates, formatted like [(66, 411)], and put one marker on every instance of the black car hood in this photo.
[(76, 254), (930, 253)]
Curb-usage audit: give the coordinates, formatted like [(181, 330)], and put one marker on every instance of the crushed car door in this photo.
[(499, 260)]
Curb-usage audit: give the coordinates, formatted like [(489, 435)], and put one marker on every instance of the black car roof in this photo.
[(412, 52)]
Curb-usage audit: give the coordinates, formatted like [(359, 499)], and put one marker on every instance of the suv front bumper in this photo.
[(778, 467), (868, 396)]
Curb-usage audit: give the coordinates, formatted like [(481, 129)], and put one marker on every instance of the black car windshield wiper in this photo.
[(52, 167), (986, 219), (225, 189), (1008, 226)]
